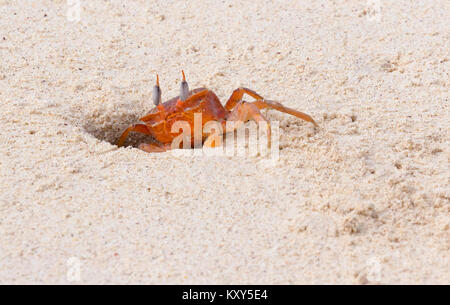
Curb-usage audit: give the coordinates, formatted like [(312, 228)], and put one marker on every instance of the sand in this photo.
[(362, 199)]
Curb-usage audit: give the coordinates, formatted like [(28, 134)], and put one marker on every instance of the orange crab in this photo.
[(159, 121)]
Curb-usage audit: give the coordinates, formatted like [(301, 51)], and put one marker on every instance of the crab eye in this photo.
[(184, 89), (156, 95)]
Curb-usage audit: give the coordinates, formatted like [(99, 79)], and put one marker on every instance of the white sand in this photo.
[(362, 199)]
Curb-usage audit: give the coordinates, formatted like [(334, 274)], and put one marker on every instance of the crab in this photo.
[(159, 122)]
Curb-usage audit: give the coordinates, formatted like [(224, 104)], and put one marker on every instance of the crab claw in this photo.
[(156, 95), (184, 90)]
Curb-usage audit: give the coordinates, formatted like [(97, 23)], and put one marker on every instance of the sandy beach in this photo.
[(362, 199)]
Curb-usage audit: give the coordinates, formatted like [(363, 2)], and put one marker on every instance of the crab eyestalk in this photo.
[(156, 95), (184, 89)]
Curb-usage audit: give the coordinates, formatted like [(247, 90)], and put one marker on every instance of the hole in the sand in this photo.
[(109, 126), (112, 136)]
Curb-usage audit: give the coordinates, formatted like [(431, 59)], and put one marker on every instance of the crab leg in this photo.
[(141, 128), (237, 95), (244, 112), (154, 147), (261, 104)]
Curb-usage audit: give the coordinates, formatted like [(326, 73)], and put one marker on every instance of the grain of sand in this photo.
[(362, 199)]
